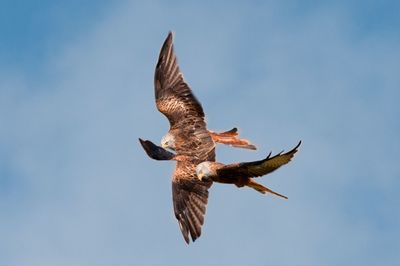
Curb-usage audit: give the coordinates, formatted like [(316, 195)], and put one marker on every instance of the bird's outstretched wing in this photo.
[(189, 194), (190, 197), (257, 168), (174, 98), (176, 101), (156, 152)]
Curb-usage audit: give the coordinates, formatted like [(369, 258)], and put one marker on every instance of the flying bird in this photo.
[(240, 174), (189, 137), (189, 194), (176, 101), (192, 144)]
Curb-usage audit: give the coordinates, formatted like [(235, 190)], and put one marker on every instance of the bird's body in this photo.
[(242, 174), (191, 142), (189, 138)]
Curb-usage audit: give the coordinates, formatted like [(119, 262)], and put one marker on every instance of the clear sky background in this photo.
[(76, 92)]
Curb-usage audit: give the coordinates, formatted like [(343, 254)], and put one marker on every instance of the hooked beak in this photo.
[(164, 145), (200, 176)]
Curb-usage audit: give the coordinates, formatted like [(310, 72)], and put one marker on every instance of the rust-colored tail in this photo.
[(260, 188), (230, 137)]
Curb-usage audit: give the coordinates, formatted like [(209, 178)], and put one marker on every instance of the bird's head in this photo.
[(168, 142), (205, 171)]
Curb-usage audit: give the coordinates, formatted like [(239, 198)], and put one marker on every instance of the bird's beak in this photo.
[(164, 145), (200, 176)]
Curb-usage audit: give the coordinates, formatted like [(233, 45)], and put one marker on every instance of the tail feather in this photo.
[(230, 133), (260, 188), (231, 138)]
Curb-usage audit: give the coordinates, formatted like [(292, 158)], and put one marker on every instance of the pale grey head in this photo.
[(168, 142), (204, 171)]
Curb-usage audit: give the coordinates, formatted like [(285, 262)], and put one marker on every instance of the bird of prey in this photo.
[(176, 101), (189, 194), (239, 174), (189, 137), (191, 142)]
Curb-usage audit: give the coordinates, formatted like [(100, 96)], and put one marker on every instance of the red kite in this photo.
[(194, 147)]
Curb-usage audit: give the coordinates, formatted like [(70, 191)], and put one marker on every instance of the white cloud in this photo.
[(85, 193)]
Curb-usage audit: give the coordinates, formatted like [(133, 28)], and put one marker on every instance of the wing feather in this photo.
[(190, 198), (174, 98), (156, 152), (257, 168), (176, 101)]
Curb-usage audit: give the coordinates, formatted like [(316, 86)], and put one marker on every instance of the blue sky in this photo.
[(76, 91)]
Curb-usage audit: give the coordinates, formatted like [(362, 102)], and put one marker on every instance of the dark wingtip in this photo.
[(233, 130), (156, 152), (145, 143), (297, 146), (185, 232), (142, 142), (170, 37), (165, 47), (294, 150), (187, 240)]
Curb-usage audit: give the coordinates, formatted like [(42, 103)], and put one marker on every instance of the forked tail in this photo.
[(260, 188), (230, 137)]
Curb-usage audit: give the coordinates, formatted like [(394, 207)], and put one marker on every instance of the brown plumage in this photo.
[(192, 142), (189, 194), (176, 101), (190, 198), (241, 174), (190, 138)]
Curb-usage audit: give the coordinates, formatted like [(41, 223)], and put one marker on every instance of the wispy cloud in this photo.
[(76, 188)]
